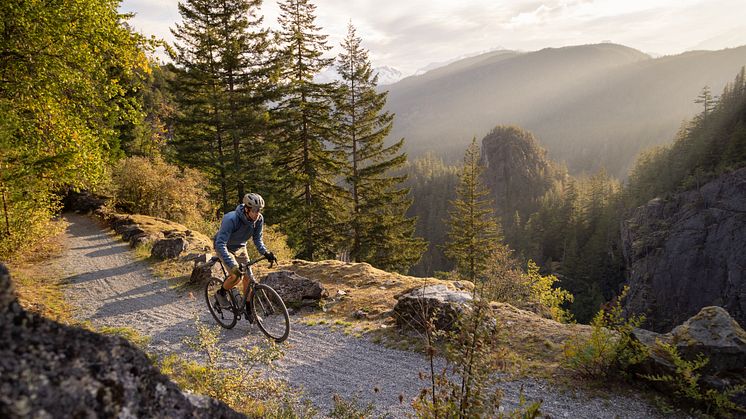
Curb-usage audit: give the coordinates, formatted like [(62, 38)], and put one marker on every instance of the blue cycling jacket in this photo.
[(235, 230)]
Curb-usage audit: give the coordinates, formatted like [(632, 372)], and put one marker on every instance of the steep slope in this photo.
[(687, 252), (585, 102)]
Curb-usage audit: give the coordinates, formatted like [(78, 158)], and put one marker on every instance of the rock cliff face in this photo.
[(51, 370), (687, 252), (517, 171)]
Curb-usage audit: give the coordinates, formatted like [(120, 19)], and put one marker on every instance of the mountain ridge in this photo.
[(582, 102)]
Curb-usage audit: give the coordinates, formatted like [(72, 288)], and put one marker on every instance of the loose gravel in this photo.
[(110, 287)]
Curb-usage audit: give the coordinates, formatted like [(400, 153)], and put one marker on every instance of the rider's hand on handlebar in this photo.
[(271, 257)]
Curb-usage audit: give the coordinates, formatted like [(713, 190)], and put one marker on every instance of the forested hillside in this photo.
[(84, 105), (570, 225), (592, 106)]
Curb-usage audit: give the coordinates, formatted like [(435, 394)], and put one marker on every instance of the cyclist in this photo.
[(230, 242)]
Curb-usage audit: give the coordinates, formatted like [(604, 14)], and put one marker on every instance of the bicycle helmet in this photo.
[(254, 201)]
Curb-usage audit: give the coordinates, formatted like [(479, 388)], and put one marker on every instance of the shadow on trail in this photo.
[(143, 302), (105, 273), (141, 290), (109, 251)]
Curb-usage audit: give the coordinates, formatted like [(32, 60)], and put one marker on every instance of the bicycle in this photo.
[(260, 303)]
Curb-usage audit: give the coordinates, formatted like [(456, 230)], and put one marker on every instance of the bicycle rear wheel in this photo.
[(270, 313), (226, 317)]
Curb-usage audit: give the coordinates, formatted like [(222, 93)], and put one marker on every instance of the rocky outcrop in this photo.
[(517, 171), (169, 240), (294, 289), (51, 370), (711, 333), (437, 302), (687, 252)]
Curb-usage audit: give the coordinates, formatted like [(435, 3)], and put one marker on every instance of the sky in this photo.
[(411, 34)]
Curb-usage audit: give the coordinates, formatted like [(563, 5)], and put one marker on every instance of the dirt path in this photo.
[(110, 287)]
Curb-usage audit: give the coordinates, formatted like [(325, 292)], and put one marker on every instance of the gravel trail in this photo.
[(109, 287)]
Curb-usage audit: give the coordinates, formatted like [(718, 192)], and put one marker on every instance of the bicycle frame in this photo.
[(247, 273)]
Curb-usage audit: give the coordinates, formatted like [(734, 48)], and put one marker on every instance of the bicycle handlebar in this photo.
[(251, 262)]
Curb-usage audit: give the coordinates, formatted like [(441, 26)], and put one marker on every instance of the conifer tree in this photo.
[(221, 90), (381, 234), (474, 232), (308, 191)]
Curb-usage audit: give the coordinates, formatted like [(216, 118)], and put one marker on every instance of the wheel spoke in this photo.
[(271, 314)]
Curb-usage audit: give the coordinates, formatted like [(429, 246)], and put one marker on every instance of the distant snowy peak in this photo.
[(388, 75)]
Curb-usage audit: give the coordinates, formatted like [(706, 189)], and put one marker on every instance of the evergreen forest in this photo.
[(84, 104)]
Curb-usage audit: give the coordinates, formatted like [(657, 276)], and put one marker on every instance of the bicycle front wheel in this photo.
[(225, 316), (270, 313)]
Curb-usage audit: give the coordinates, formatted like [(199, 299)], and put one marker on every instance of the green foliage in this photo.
[(150, 186), (473, 230), (549, 297), (576, 233), (380, 233), (310, 200), (506, 282), (610, 349), (705, 147), (431, 183), (150, 135), (65, 90), (466, 387), (685, 384), (243, 387), (221, 87), (350, 409)]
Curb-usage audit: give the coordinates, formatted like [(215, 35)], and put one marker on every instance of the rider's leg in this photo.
[(230, 282), (241, 256)]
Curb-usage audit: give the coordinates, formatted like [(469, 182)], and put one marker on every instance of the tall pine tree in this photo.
[(380, 232), (308, 192), (473, 229), (221, 89)]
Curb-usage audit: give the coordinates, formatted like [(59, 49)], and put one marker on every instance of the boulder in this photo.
[(295, 289), (51, 370), (713, 333), (436, 302), (169, 248), (128, 231), (142, 239), (204, 270)]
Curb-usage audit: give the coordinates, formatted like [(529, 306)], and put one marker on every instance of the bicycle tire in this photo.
[(226, 317), (270, 313)]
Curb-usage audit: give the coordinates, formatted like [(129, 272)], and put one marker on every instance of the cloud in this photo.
[(409, 34)]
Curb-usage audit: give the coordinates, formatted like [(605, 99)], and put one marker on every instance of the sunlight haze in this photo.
[(410, 35)]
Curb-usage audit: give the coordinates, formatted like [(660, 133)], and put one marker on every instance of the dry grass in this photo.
[(40, 289), (528, 345)]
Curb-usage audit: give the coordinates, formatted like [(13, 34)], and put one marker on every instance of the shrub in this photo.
[(507, 283), (350, 409), (243, 387), (546, 295), (26, 220), (610, 349), (467, 386), (685, 384), (150, 186)]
